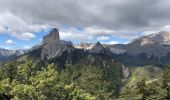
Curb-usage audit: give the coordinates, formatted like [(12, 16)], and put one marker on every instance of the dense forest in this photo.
[(20, 80)]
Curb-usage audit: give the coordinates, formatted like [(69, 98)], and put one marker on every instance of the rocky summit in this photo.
[(156, 45), (98, 48), (152, 45), (53, 36), (53, 47)]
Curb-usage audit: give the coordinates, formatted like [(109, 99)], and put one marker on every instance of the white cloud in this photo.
[(103, 31), (127, 42), (110, 14), (97, 30), (92, 34), (26, 47), (7, 48), (165, 28), (82, 35), (113, 42), (24, 36), (118, 18), (149, 32), (19, 27), (102, 38), (9, 42), (73, 33)]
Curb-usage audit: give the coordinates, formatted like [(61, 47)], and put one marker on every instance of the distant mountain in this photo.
[(150, 49), (153, 45), (117, 48), (99, 49), (9, 54), (85, 46), (162, 37)]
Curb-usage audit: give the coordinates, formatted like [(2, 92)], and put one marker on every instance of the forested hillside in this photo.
[(24, 79)]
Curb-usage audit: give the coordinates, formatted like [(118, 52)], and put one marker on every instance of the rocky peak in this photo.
[(53, 36), (98, 44), (145, 41), (159, 38), (98, 48), (53, 47), (152, 45), (164, 36)]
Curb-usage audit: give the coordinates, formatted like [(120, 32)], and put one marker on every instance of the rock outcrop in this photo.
[(117, 48), (53, 47), (151, 45), (99, 49)]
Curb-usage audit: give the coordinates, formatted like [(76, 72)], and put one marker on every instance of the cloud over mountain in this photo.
[(118, 18)]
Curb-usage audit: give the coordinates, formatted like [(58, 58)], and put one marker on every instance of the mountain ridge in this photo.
[(149, 49), (6, 54)]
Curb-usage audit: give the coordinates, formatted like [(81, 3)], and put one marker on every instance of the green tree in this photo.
[(9, 70), (92, 80), (166, 82), (24, 71), (129, 93)]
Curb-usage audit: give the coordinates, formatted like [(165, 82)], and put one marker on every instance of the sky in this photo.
[(23, 23)]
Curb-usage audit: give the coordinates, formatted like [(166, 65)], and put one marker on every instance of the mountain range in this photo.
[(150, 49)]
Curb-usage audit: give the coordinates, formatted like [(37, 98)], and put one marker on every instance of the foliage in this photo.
[(149, 72), (21, 81), (101, 80), (91, 79), (157, 89)]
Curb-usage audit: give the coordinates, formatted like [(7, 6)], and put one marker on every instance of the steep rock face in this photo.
[(53, 47), (146, 50), (157, 45), (117, 48), (53, 37), (100, 49), (152, 45), (54, 50), (162, 37)]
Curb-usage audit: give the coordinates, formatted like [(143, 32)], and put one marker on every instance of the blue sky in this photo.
[(16, 43)]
